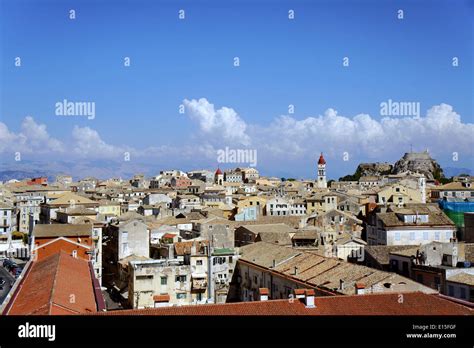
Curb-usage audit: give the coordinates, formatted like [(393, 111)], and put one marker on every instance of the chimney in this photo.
[(306, 296), (309, 298), (273, 263), (263, 294), (341, 284), (300, 293), (171, 251), (296, 271), (359, 288)]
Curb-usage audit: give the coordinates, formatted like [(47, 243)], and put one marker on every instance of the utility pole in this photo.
[(209, 272)]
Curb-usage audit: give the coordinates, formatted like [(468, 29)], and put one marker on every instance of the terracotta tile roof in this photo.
[(267, 254), (299, 291), (173, 220), (267, 228), (463, 278), (5, 206), (376, 304), (307, 234), (161, 298), (469, 252), (129, 216), (184, 248), (321, 272), (454, 186), (62, 230), (69, 198), (59, 284), (406, 252), (292, 221), (436, 217), (124, 262), (80, 210), (381, 253)]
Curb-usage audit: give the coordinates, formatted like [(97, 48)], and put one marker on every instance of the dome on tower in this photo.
[(321, 159), (218, 171)]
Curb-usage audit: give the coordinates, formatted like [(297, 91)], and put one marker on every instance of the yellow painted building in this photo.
[(321, 203), (252, 201), (398, 194), (109, 208)]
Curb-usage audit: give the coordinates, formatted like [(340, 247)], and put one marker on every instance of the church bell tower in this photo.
[(322, 172)]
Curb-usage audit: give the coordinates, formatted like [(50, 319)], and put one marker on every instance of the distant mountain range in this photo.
[(22, 174), (107, 169), (99, 169)]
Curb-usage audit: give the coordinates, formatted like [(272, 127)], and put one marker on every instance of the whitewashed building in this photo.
[(7, 219), (420, 224), (278, 206)]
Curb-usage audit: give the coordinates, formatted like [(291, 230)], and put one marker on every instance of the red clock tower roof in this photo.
[(218, 171), (321, 159)]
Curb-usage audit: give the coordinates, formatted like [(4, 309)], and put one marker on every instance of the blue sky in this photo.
[(282, 62)]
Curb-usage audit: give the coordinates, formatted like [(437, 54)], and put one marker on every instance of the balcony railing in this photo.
[(199, 284)]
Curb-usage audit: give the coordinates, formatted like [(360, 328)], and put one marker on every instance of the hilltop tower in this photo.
[(322, 172)]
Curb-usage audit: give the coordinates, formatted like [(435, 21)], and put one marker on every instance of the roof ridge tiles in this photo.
[(51, 301)]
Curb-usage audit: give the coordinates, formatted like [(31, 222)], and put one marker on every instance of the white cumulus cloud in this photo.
[(223, 123), (32, 138), (441, 131), (37, 136), (88, 143)]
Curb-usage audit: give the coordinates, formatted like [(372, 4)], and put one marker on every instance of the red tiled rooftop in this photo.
[(161, 298), (415, 303), (58, 284)]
